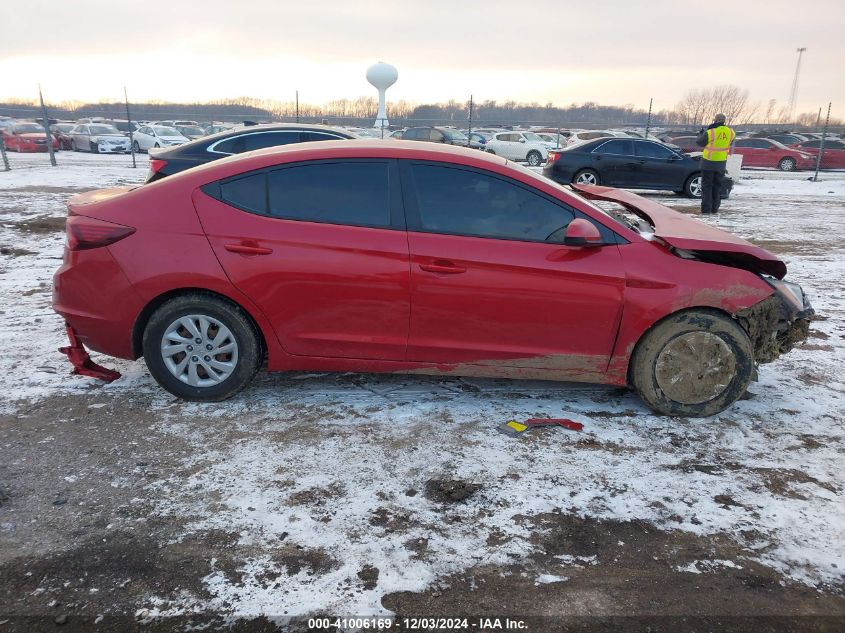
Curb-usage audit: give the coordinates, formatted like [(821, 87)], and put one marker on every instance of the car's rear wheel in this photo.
[(95, 149), (156, 145), (586, 177), (201, 347), (694, 363), (692, 187), (73, 146), (534, 158), (787, 164)]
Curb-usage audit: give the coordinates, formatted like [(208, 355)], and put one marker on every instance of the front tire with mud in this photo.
[(200, 347), (694, 363)]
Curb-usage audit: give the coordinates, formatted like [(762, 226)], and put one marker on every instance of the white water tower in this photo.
[(382, 76)]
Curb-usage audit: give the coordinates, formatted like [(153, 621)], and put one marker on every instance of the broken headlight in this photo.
[(789, 291)]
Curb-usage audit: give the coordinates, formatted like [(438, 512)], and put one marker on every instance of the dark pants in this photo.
[(711, 190)]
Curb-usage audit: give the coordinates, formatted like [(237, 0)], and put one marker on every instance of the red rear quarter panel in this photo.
[(168, 252)]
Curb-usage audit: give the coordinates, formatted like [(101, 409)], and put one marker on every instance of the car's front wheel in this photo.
[(692, 187), (136, 147), (694, 363), (534, 158), (201, 347), (73, 146), (586, 177), (787, 164)]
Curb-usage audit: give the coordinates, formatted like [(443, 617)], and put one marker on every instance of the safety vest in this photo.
[(719, 139)]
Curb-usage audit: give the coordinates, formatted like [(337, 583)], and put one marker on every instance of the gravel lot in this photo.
[(122, 508)]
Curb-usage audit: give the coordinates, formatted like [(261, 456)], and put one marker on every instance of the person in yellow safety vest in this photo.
[(716, 141)]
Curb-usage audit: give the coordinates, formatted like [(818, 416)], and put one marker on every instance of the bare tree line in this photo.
[(696, 108)]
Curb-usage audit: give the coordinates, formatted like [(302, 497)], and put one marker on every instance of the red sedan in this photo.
[(27, 137), (834, 152), (764, 152), (394, 256)]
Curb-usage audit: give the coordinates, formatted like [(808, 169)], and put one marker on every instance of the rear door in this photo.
[(493, 285), (321, 248), (615, 162)]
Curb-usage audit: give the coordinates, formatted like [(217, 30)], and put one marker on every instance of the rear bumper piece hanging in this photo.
[(81, 361)]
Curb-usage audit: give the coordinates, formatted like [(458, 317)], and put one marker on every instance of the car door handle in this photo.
[(443, 266), (248, 249)]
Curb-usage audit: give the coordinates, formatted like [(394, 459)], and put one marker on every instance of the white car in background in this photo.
[(99, 138), (147, 137), (589, 135), (552, 139), (521, 146)]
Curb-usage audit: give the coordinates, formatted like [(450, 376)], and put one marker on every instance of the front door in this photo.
[(493, 285), (321, 249)]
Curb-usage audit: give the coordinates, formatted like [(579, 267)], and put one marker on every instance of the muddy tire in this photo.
[(694, 363), (202, 348)]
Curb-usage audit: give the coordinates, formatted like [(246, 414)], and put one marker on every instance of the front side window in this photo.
[(355, 193), (652, 150), (464, 202)]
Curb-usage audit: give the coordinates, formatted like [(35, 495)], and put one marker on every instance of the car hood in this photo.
[(31, 136), (111, 137), (686, 233)]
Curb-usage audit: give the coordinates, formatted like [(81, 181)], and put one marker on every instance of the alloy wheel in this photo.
[(199, 350)]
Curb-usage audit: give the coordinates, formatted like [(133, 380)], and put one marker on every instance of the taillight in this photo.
[(552, 158), (156, 165), (84, 233)]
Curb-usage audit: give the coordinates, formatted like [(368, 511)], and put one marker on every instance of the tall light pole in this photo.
[(793, 94)]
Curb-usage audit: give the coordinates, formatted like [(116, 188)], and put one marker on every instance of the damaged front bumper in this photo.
[(779, 322)]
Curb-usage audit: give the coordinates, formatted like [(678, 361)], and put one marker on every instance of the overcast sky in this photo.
[(608, 51)]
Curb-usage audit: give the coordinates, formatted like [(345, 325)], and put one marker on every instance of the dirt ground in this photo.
[(346, 495)]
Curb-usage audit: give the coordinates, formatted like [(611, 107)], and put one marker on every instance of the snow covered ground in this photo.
[(347, 465)]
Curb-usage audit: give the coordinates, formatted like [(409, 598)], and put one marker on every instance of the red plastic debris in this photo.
[(564, 422), (81, 361)]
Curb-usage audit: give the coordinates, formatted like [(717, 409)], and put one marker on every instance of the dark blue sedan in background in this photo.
[(628, 163)]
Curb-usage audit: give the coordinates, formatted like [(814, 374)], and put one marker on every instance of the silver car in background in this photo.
[(99, 138)]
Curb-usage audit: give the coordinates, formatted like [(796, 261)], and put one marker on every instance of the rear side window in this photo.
[(249, 192), (353, 193), (618, 147), (463, 202), (250, 142)]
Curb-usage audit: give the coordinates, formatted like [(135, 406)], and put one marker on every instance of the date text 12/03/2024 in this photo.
[(482, 625)]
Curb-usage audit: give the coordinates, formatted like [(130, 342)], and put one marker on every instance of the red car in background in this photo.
[(764, 152), (834, 152), (395, 256), (27, 137)]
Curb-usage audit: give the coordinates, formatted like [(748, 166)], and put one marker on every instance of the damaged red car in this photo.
[(374, 256)]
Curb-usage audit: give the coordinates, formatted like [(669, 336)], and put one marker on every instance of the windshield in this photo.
[(161, 130), (190, 130), (65, 127), (103, 129), (28, 128)]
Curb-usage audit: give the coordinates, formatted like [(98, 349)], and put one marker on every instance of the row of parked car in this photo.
[(103, 136)]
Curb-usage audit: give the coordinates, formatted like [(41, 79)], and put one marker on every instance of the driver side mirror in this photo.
[(580, 232)]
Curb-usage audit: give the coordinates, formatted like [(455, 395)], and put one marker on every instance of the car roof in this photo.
[(347, 148)]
